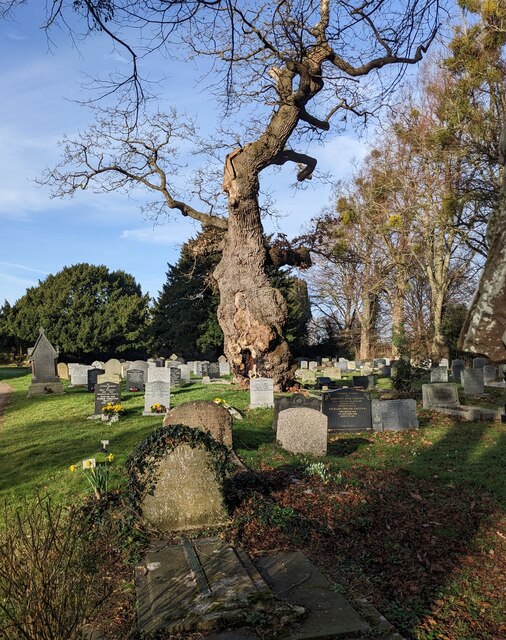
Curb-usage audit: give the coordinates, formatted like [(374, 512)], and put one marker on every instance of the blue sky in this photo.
[(40, 235)]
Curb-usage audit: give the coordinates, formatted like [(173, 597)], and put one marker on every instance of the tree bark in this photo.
[(366, 327), (252, 314)]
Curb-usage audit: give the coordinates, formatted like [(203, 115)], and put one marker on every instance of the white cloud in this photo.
[(170, 234), (23, 267)]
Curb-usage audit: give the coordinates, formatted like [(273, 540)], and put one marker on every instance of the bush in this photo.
[(49, 582)]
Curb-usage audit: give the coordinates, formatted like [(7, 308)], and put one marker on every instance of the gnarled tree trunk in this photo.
[(252, 314)]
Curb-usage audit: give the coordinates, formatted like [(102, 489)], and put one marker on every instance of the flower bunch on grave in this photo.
[(158, 408), (111, 412), (233, 412), (134, 389), (96, 473)]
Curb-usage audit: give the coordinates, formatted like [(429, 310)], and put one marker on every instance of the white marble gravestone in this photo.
[(261, 392)]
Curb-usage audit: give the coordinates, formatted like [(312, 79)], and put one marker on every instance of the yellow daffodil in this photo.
[(72, 468), (218, 400), (110, 457)]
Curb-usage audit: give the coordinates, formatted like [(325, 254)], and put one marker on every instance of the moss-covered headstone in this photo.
[(177, 479)]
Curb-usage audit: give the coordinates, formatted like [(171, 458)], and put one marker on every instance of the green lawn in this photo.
[(414, 519)]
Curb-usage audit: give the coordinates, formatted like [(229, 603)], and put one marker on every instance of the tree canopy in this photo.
[(84, 309)]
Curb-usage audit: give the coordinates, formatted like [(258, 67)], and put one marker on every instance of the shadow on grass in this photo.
[(8, 373), (343, 448)]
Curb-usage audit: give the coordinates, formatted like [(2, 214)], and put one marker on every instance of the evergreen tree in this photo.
[(84, 309)]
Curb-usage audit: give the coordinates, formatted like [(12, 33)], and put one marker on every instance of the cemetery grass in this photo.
[(414, 521)]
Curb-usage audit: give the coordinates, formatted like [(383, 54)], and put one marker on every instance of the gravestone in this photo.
[(160, 362), (323, 381), (222, 359), (44, 358), (385, 371), (351, 364), (347, 410), (185, 373), (443, 362), (307, 376), (342, 365), (143, 366), (157, 392), (79, 375), (295, 401), (489, 373), (173, 357), (106, 392), (304, 364), (479, 363), (303, 430), (92, 378), (224, 369), (363, 382), (473, 382), (63, 371), (125, 366), (175, 376), (158, 374), (113, 367), (205, 416), (394, 415), (330, 373), (440, 395), (97, 364), (261, 393), (457, 367), (197, 368), (214, 370), (313, 365), (204, 369), (135, 379), (109, 377), (185, 492), (439, 374)]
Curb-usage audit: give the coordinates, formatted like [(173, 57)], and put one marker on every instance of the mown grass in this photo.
[(418, 512)]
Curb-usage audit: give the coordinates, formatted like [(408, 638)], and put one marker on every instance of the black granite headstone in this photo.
[(175, 377), (92, 378), (363, 382), (106, 392), (347, 410)]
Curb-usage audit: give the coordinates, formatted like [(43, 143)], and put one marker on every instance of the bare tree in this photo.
[(289, 67)]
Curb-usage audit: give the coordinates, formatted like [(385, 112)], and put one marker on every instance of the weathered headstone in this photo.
[(295, 401), (224, 369), (342, 365), (44, 358), (173, 357), (197, 368), (113, 366), (439, 374), (205, 416), (394, 415), (489, 373), (261, 391), (109, 377), (92, 378), (79, 375), (214, 370), (158, 374), (125, 366), (385, 371), (185, 492), (204, 369), (185, 373), (97, 364), (160, 362), (106, 392), (157, 392), (175, 376), (347, 410), (479, 363), (303, 431), (440, 395), (222, 359), (458, 366), (473, 382), (135, 379), (313, 365), (443, 362), (304, 364), (143, 366), (63, 371)]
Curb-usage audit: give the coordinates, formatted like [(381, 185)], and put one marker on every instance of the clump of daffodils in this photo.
[(111, 412), (158, 408), (96, 473)]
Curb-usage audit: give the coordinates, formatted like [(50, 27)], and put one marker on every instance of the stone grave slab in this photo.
[(206, 416), (303, 430), (348, 410), (135, 379), (157, 392), (224, 369), (106, 392), (185, 373), (313, 365), (160, 362), (93, 378), (44, 357), (394, 415), (222, 359), (458, 366), (79, 375), (143, 366), (175, 376), (440, 395), (439, 374), (385, 371), (200, 585), (489, 373), (186, 493), (214, 370), (304, 364), (97, 364), (473, 382), (479, 363), (261, 392), (296, 580), (109, 377), (197, 368)]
